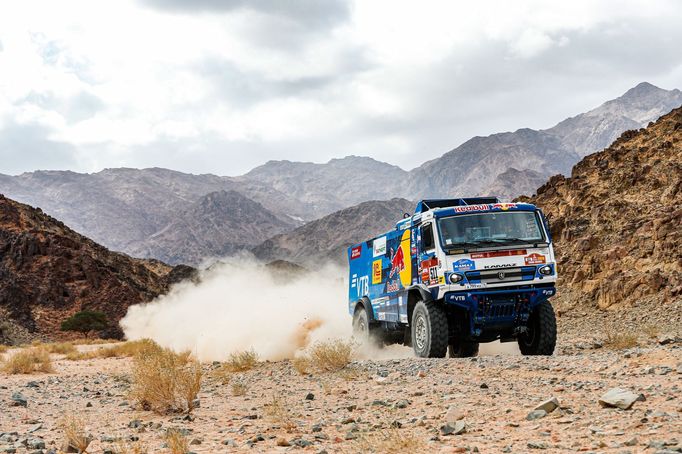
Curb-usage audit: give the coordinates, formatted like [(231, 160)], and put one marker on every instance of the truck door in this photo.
[(428, 262)]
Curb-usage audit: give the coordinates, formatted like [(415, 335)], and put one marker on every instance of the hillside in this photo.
[(218, 224), (48, 272), (328, 238), (617, 221)]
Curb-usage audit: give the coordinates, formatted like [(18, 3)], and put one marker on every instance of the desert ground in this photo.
[(400, 404)]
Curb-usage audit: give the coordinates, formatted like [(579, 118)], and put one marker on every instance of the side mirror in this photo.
[(406, 215)]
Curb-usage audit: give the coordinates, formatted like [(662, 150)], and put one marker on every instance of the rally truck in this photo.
[(456, 273)]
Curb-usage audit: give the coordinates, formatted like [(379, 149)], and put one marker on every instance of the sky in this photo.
[(222, 86)]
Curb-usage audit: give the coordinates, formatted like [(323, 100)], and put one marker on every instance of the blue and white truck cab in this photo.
[(456, 273)]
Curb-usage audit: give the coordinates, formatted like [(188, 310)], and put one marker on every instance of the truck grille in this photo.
[(496, 276)]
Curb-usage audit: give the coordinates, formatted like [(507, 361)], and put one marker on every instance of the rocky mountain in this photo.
[(328, 238), (473, 167), (617, 221), (338, 184), (48, 272), (218, 224), (139, 211)]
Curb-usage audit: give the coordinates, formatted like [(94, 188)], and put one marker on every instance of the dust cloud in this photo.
[(241, 305)]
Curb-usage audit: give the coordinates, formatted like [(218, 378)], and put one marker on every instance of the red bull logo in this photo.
[(503, 206)]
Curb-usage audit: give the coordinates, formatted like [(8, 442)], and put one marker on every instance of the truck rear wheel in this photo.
[(462, 349), (540, 339), (429, 330), (363, 331)]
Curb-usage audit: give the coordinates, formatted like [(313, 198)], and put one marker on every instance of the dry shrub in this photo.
[(131, 448), (619, 341), (61, 348), (331, 356), (74, 433), (241, 361), (3, 348), (176, 441), (279, 413), (239, 388), (389, 441), (121, 349), (301, 364), (652, 331), (28, 361), (97, 341), (164, 381)]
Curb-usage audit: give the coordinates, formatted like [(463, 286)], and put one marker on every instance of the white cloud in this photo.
[(224, 86)]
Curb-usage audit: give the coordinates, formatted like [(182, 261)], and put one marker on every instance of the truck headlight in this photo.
[(455, 278), (545, 270)]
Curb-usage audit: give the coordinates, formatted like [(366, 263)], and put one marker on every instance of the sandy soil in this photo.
[(375, 403)]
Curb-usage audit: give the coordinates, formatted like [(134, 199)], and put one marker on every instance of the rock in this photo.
[(18, 400), (231, 443), (402, 403), (283, 442), (35, 443), (310, 396), (536, 414), (459, 427), (549, 405), (195, 441), (454, 414), (620, 398), (537, 445)]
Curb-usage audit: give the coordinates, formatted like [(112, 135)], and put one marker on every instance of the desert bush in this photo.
[(61, 348), (279, 413), (652, 331), (301, 364), (3, 348), (389, 441), (28, 361), (164, 381), (121, 349), (176, 441), (239, 388), (619, 340), (74, 434), (331, 356), (85, 321), (241, 361), (135, 447)]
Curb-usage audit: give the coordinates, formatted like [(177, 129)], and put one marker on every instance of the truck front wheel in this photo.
[(429, 330), (462, 349), (540, 338)]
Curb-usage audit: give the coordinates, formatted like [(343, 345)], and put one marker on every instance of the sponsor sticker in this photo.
[(459, 298), (463, 265), (487, 255), (503, 206), (393, 286), (379, 246), (376, 272), (504, 265), (468, 286), (468, 208), (441, 280), (355, 252), (535, 259)]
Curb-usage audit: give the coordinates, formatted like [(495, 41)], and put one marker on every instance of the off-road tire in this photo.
[(462, 349), (364, 331), (429, 330), (540, 339)]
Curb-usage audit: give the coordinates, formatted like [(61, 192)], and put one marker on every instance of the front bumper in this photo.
[(493, 311)]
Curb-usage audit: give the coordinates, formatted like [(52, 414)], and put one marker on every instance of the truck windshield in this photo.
[(511, 227)]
